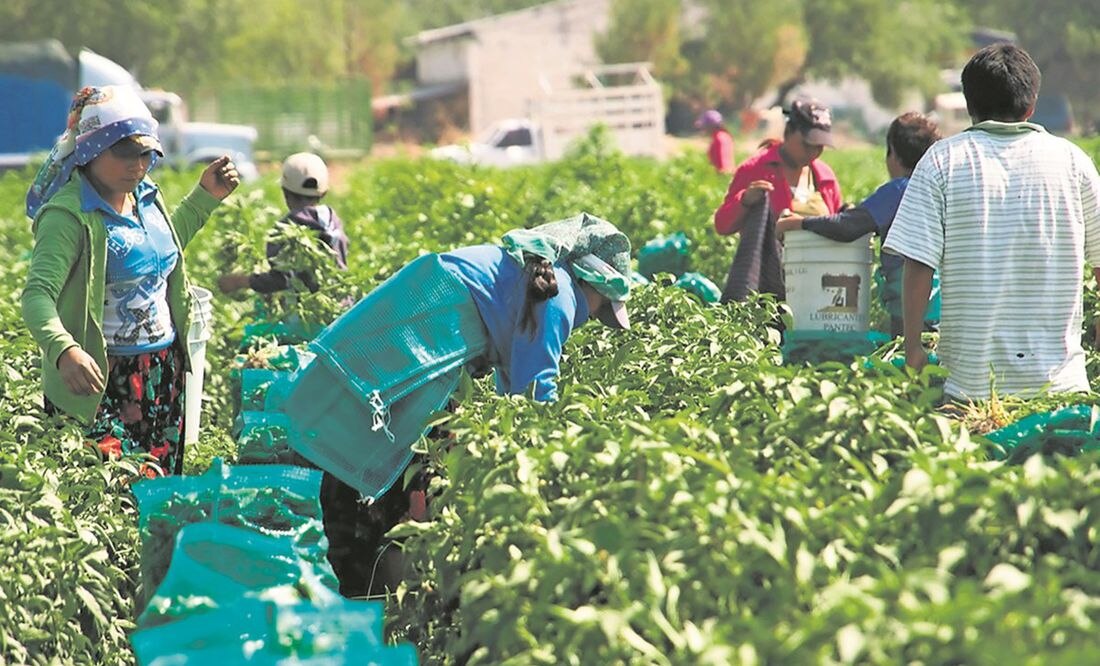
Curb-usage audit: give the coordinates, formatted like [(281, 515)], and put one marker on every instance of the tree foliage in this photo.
[(645, 31), (1064, 40), (726, 52), (896, 47)]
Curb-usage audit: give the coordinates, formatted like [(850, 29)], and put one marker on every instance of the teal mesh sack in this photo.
[(382, 369), (254, 631), (262, 439), (274, 500), (213, 565), (254, 386), (258, 368), (813, 347), (356, 654), (665, 254), (1068, 431), (700, 286)]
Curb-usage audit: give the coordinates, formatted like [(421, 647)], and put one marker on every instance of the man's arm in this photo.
[(915, 291)]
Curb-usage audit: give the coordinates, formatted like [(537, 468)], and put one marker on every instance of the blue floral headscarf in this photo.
[(98, 118)]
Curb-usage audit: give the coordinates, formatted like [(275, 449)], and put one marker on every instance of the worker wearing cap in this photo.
[(505, 308), (790, 172), (106, 297), (304, 181), (720, 150)]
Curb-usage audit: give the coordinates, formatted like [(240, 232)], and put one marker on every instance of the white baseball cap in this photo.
[(305, 174)]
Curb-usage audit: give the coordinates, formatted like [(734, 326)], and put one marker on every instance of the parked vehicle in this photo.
[(507, 143), (43, 76), (624, 98)]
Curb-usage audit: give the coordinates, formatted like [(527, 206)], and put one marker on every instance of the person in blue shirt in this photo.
[(399, 352), (908, 138)]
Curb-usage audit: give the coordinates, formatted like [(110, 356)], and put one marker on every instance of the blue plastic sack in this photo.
[(701, 287), (1067, 431), (255, 631)]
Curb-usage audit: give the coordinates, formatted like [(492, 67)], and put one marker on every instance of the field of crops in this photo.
[(688, 500)]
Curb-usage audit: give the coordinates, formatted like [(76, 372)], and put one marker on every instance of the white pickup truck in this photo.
[(507, 143)]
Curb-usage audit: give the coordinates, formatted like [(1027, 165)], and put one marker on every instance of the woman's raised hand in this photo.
[(220, 177)]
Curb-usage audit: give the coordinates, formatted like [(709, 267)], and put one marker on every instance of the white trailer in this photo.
[(625, 98)]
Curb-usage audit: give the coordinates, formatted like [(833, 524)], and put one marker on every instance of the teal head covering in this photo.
[(572, 239)]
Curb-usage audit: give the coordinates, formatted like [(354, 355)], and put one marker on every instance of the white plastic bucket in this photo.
[(828, 283), (202, 314)]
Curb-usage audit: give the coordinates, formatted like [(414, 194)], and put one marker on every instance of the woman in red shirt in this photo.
[(790, 170)]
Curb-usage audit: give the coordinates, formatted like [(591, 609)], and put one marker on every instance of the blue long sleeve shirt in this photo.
[(498, 285)]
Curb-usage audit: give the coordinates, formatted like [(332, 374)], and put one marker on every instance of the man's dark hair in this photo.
[(910, 136), (300, 199), (1001, 82)]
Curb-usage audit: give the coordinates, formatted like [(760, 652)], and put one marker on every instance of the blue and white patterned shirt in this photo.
[(141, 253)]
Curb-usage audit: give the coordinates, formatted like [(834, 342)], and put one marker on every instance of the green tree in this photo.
[(1063, 36), (896, 46), (743, 49), (645, 31)]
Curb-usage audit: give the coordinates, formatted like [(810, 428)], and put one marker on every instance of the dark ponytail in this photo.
[(541, 284)]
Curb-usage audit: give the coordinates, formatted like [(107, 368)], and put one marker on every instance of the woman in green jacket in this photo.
[(107, 294)]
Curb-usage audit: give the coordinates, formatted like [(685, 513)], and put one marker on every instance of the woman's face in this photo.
[(802, 153), (595, 299), (120, 168)]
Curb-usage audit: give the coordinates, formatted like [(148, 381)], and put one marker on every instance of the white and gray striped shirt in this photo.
[(1008, 214)]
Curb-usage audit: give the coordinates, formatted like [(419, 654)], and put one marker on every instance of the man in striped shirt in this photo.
[(1008, 214)]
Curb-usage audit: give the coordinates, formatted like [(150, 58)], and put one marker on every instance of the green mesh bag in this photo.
[(1068, 431), (274, 500), (700, 286), (665, 254), (213, 565), (259, 368)]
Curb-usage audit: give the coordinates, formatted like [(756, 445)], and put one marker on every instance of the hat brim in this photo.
[(614, 314), (818, 137), (139, 144)]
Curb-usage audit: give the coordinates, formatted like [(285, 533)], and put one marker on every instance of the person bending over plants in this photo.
[(401, 350)]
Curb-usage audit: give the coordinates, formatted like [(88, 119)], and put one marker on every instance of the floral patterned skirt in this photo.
[(142, 409)]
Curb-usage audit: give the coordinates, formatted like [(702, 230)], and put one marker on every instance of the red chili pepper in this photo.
[(110, 446)]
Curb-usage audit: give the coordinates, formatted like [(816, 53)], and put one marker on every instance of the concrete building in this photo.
[(497, 65)]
